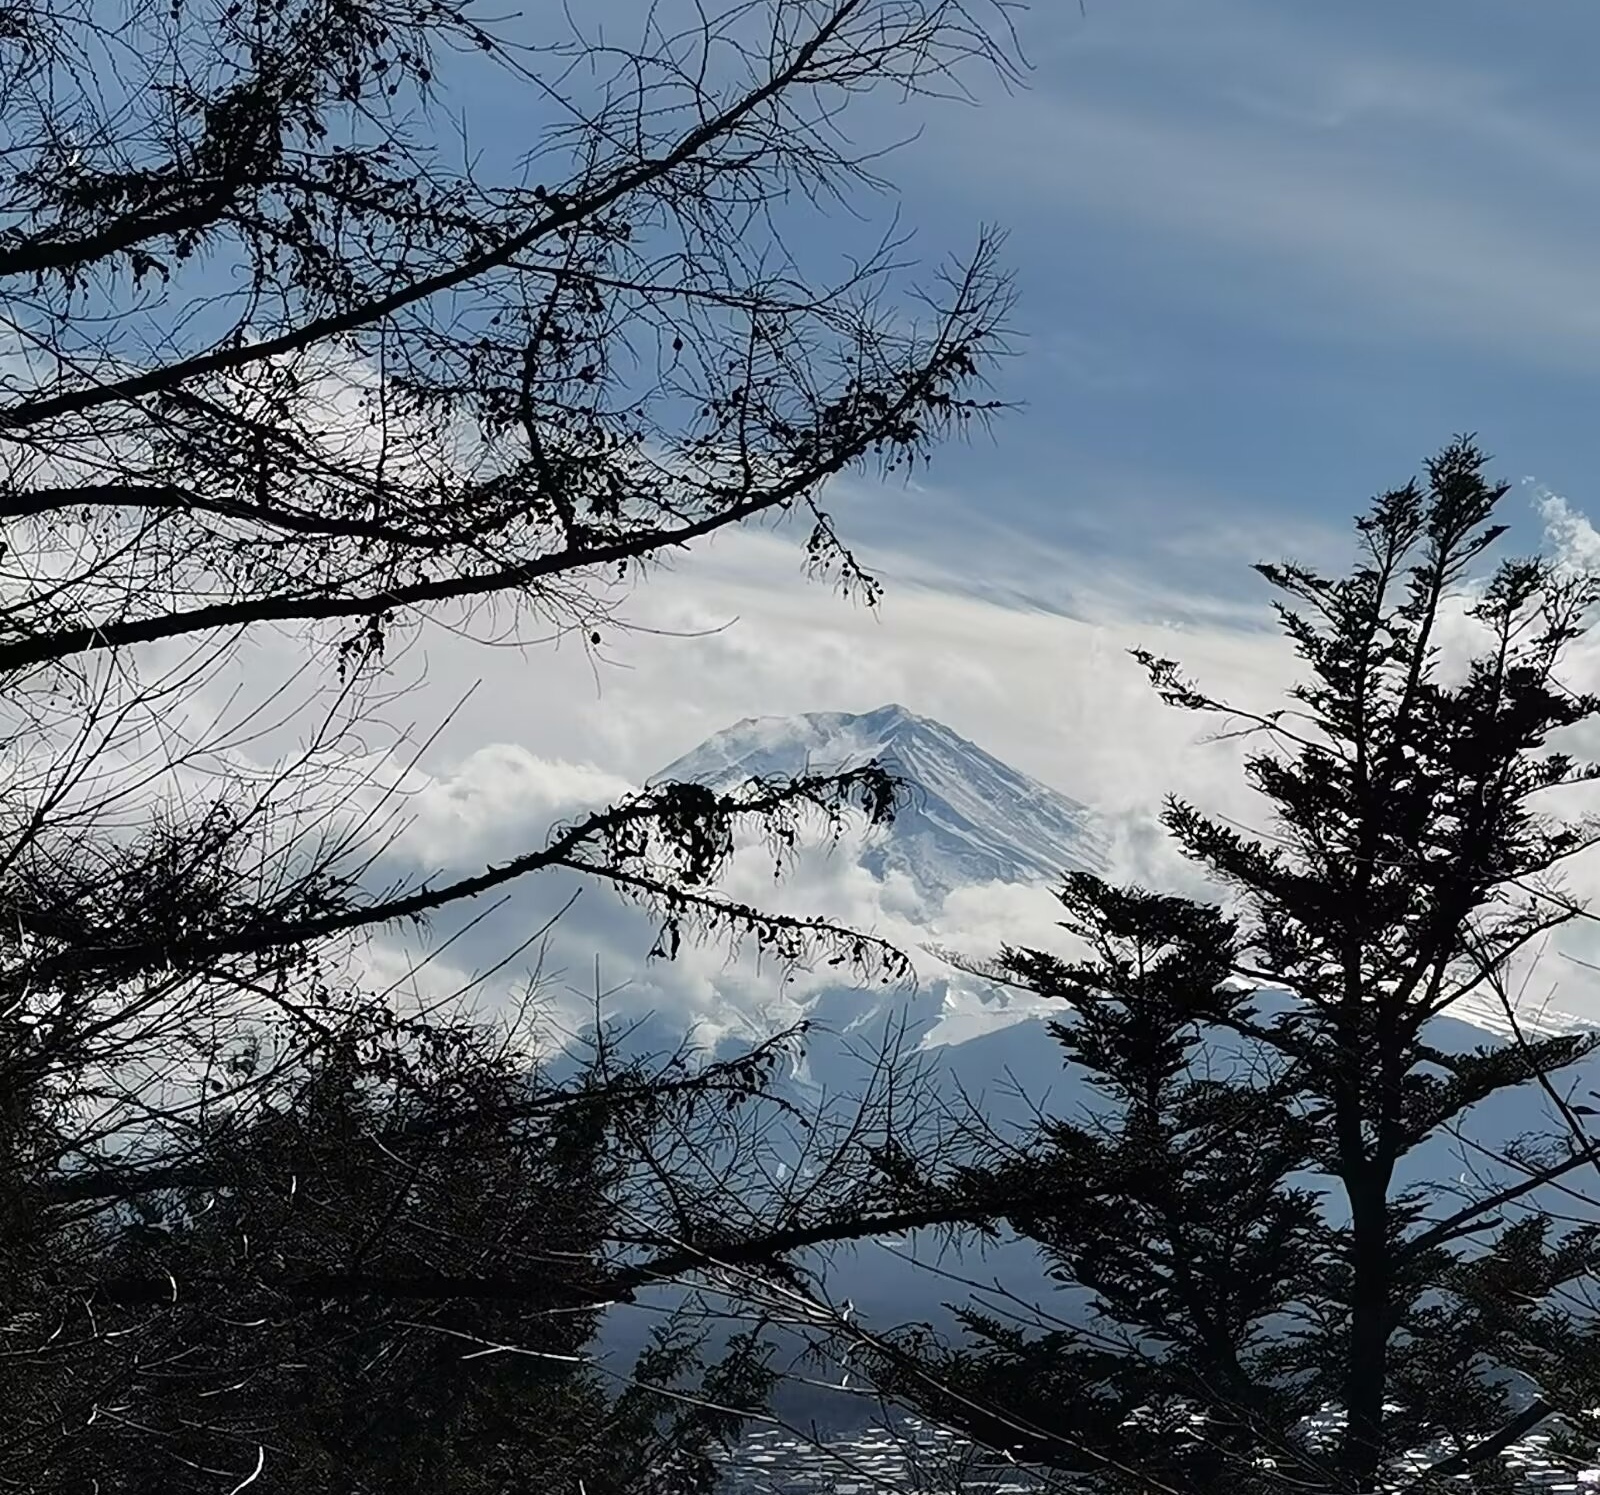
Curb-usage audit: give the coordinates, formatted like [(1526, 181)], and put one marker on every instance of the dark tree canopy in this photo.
[(286, 360), (277, 356), (1234, 1206), (391, 1277)]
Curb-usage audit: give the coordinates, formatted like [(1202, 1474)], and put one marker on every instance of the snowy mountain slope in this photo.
[(974, 820), (971, 818)]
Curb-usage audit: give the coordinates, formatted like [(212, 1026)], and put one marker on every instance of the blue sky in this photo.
[(1269, 256)]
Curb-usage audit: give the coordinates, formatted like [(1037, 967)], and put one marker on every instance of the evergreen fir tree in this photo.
[(1236, 1208)]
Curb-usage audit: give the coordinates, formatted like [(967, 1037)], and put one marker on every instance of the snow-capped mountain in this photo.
[(974, 820), (970, 819)]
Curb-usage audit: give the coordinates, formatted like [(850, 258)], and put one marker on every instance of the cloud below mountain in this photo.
[(533, 733)]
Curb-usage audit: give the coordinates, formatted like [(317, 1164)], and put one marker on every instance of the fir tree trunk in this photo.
[(1366, 1369)]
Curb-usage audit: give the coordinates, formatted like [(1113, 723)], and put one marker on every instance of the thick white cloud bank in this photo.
[(551, 729)]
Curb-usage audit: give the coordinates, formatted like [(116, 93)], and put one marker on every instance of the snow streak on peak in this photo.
[(970, 818)]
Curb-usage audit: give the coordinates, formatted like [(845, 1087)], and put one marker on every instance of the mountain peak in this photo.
[(893, 716), (971, 818), (889, 718)]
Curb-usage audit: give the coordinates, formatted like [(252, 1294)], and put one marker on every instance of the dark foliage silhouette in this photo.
[(1234, 1209), (286, 370)]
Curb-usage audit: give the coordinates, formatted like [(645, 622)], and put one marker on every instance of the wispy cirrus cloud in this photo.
[(1336, 228), (1352, 178)]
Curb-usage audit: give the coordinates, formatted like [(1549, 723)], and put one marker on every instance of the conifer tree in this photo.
[(1240, 1209)]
